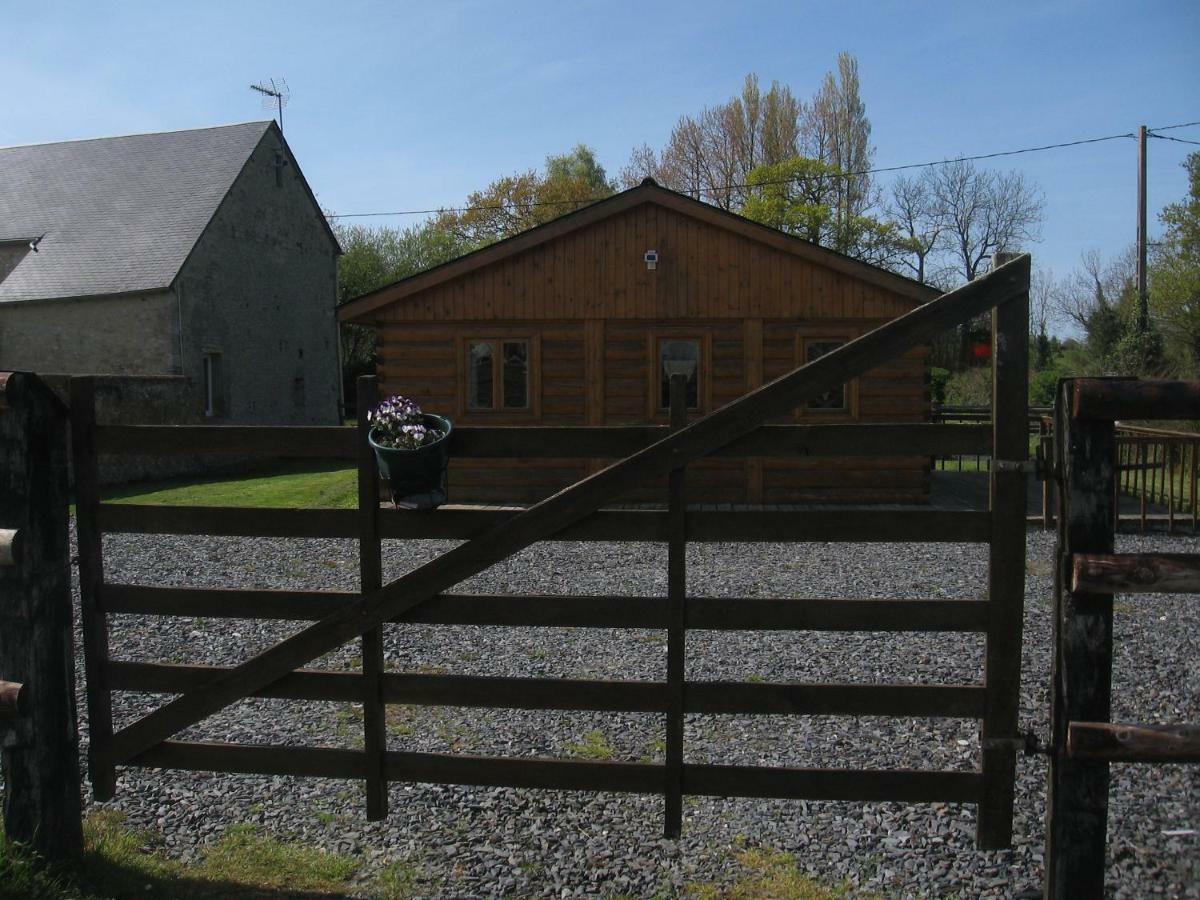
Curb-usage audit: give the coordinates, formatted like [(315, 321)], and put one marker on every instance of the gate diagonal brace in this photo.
[(1004, 284)]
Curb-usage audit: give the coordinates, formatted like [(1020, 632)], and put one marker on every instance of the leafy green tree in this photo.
[(800, 195), (836, 130), (371, 259), (1175, 277), (516, 203)]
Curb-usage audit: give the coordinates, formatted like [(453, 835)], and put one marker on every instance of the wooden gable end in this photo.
[(705, 271)]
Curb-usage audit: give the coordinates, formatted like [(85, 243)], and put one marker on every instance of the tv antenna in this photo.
[(275, 93)]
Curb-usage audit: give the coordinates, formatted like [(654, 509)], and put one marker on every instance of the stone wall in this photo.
[(131, 334), (148, 400), (258, 294)]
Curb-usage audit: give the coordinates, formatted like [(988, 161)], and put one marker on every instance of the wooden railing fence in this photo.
[(1088, 573), (577, 513), (1162, 468)]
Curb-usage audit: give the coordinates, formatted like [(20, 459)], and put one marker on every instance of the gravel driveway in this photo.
[(477, 841)]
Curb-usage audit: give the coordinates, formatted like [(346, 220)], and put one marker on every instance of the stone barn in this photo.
[(572, 323), (193, 268)]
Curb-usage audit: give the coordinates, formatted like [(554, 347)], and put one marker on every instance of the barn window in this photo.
[(833, 400), (212, 384), (679, 356), (498, 380)]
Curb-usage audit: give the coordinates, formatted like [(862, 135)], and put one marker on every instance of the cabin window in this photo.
[(834, 400), (681, 356), (516, 375), (480, 375), (498, 374)]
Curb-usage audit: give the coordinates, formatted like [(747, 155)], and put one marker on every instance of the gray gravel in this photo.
[(475, 841)]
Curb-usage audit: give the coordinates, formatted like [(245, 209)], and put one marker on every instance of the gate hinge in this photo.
[(1027, 466), (1028, 743)]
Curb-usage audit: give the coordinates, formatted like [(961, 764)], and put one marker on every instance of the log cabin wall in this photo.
[(592, 314)]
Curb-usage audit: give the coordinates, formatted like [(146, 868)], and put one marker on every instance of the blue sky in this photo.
[(406, 106)]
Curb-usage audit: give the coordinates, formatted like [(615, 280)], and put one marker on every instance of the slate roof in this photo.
[(119, 214)]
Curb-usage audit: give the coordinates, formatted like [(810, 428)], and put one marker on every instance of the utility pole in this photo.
[(1143, 314)]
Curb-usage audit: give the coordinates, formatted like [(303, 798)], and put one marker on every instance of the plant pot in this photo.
[(416, 478)]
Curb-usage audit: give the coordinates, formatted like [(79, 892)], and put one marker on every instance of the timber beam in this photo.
[(1135, 573)]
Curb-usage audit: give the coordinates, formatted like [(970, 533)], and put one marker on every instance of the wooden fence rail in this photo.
[(578, 513), (1083, 741)]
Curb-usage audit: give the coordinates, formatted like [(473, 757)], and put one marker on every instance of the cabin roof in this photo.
[(360, 308)]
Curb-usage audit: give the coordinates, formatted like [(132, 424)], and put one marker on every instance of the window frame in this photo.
[(807, 336), (498, 338), (654, 339), (211, 384)]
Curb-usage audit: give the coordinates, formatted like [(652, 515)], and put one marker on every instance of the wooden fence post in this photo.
[(39, 734), (1006, 565), (1077, 795), (370, 557), (94, 620), (676, 618)]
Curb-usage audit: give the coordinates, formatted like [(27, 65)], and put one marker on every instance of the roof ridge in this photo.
[(117, 137)]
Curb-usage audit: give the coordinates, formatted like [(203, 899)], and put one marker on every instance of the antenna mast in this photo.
[(275, 93)]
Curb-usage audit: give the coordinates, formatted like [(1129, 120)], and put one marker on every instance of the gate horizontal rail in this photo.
[(706, 697), (865, 785), (565, 611), (951, 526), (548, 442)]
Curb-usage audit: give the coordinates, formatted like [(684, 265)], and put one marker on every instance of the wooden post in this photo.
[(1006, 566), (752, 355), (676, 619), (1043, 453), (103, 775), (1195, 501), (1144, 472), (38, 729), (370, 566), (1169, 453), (1077, 796)]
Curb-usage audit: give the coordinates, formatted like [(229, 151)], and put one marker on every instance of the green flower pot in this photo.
[(417, 478)]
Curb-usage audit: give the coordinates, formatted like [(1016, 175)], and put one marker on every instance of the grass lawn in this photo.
[(121, 862), (331, 485)]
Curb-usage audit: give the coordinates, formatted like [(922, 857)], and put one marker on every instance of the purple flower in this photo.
[(399, 422)]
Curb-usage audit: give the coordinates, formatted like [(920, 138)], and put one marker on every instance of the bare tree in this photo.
[(983, 212), (911, 206), (1043, 301), (710, 156), (1095, 285)]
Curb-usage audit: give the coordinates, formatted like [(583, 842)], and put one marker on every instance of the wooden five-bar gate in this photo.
[(645, 454)]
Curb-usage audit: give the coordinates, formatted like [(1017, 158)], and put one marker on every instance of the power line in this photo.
[(1169, 127), (924, 165), (1167, 137)]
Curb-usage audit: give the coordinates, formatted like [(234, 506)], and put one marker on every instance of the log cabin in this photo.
[(571, 323)]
